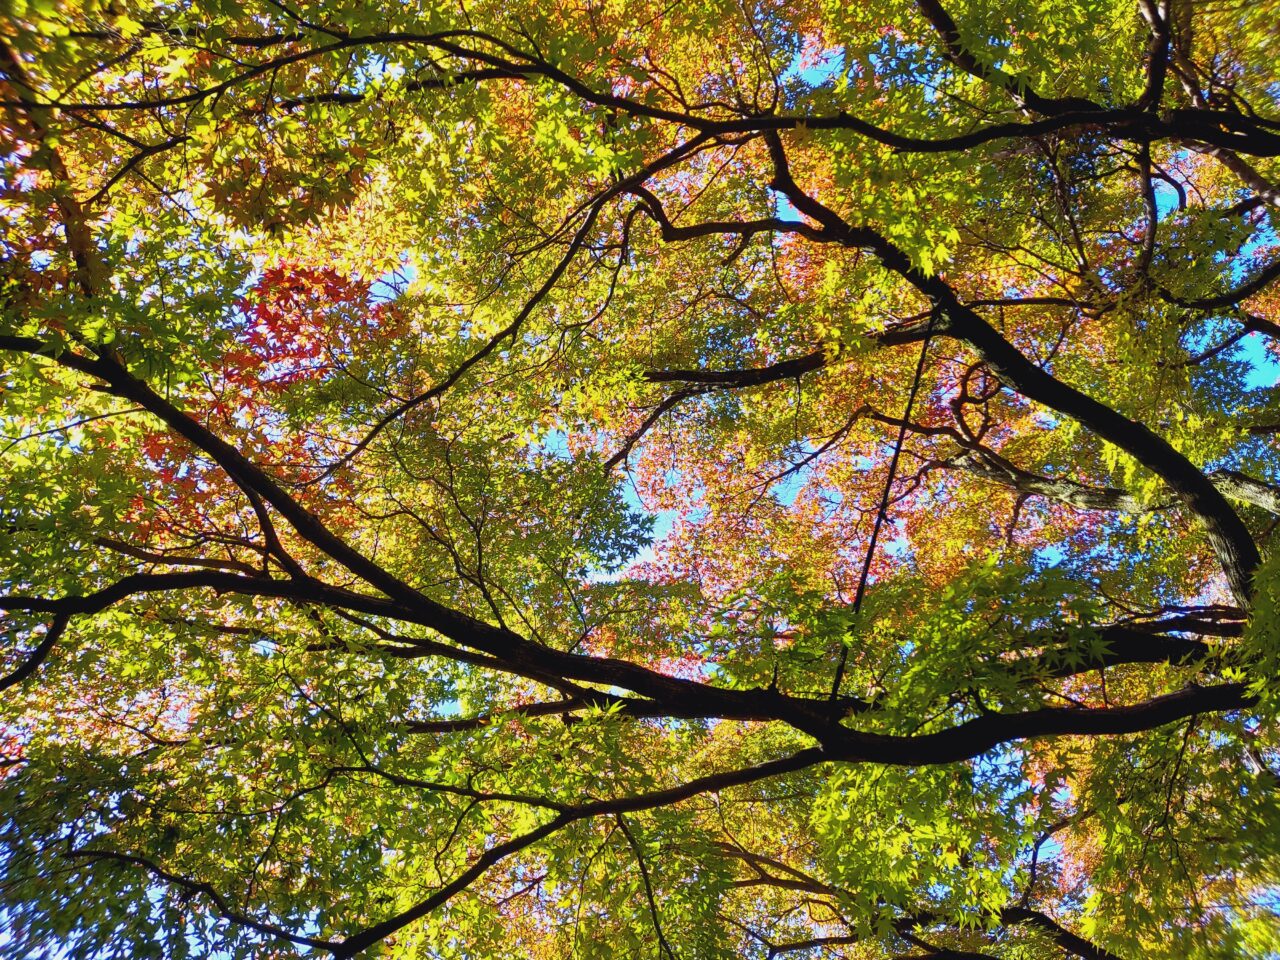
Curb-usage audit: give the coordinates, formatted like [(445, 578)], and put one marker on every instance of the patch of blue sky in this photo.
[(1264, 369), (392, 284), (663, 521), (1051, 555), (661, 524), (784, 209), (826, 69), (786, 490), (1167, 198), (7, 924)]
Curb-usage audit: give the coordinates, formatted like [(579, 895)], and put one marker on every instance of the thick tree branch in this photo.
[(490, 58), (1230, 538), (37, 656), (962, 57)]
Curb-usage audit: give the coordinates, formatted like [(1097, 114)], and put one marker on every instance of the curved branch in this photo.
[(220, 904), (1254, 285), (659, 798), (37, 656), (975, 737), (1230, 539), (962, 57), (1217, 128), (991, 466), (1069, 941)]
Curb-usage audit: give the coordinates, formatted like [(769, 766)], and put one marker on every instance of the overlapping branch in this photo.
[(590, 681)]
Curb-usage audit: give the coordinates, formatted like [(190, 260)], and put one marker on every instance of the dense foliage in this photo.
[(623, 479)]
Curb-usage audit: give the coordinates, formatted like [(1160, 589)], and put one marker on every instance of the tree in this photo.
[(623, 479)]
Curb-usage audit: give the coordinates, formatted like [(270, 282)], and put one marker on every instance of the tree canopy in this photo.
[(622, 479)]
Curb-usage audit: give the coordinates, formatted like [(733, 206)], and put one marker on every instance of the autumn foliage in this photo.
[(623, 480)]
